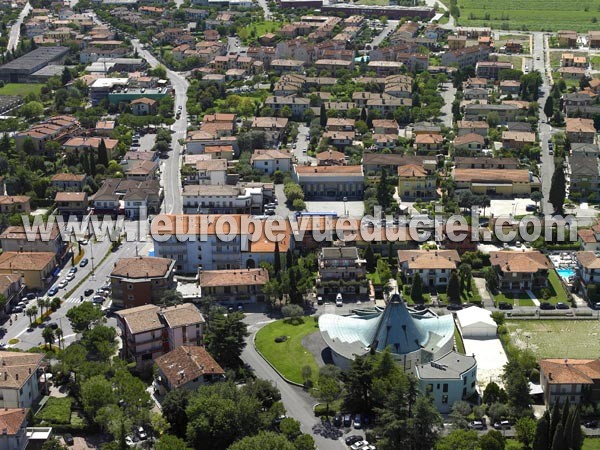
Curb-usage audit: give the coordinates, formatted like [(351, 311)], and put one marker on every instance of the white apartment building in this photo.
[(19, 379), (224, 199)]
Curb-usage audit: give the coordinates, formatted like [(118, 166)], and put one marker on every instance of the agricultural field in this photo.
[(556, 338), (540, 15)]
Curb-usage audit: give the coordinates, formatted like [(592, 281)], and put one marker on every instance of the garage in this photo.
[(476, 323)]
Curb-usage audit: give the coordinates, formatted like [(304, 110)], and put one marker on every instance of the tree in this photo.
[(289, 259), (549, 107), (263, 440), (53, 444), (537, 197), (424, 425), (174, 409), (171, 297), (416, 290), (453, 289), (493, 394), (102, 154), (290, 428), (65, 76), (517, 387), (292, 311), (526, 429), (328, 390), (96, 393), (84, 316), (458, 440), (558, 441), (358, 384), (384, 191), (558, 189), (323, 116), (59, 336), (170, 442), (31, 312), (493, 440), (304, 442), (276, 259), (370, 258), (48, 335), (541, 441), (31, 110), (226, 339)]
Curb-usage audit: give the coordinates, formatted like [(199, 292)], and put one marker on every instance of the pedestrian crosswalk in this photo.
[(72, 300)]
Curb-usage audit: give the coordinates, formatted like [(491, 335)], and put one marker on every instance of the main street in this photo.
[(171, 174), (15, 29)]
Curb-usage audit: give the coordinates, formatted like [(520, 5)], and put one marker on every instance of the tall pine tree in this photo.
[(289, 259), (554, 419), (542, 433), (416, 290), (102, 154), (370, 258), (558, 442), (323, 116), (453, 289), (276, 259)]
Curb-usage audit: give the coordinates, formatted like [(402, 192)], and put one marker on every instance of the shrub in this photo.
[(280, 339), (56, 411), (321, 410), (13, 341)]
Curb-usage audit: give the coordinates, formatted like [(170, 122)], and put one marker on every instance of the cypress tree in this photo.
[(276, 259), (323, 116), (453, 289), (416, 290), (289, 262), (102, 154), (558, 189), (568, 427), (558, 442), (542, 431), (565, 414), (370, 258), (576, 437), (555, 419)]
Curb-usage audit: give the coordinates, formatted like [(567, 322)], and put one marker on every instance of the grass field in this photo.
[(549, 15), (556, 338), (21, 89), (591, 444), (373, 2), (288, 357), (257, 29)]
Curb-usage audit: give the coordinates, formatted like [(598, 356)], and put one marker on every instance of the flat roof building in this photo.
[(19, 70)]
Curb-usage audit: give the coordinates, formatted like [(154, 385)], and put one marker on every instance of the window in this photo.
[(445, 387)]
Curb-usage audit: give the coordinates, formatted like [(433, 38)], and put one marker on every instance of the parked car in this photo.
[(142, 433), (84, 262), (338, 300), (68, 439), (546, 305), (561, 305), (31, 296), (530, 208), (53, 325), (358, 445), (73, 269), (70, 277), (591, 424), (320, 300), (17, 309), (357, 422), (53, 291), (97, 299), (88, 292), (350, 440), (348, 421), (63, 284), (337, 420), (505, 305), (476, 425)]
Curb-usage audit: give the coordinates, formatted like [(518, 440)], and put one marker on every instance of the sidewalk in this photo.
[(486, 299)]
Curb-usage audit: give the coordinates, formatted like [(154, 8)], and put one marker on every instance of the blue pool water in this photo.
[(565, 273)]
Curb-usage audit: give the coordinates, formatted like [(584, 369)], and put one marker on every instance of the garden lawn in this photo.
[(522, 299), (556, 338), (557, 15), (288, 357), (591, 444), (56, 411), (557, 292), (21, 89)]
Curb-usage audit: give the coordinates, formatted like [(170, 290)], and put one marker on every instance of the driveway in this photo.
[(491, 358)]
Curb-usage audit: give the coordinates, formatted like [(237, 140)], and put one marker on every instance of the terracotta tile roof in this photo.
[(429, 138), (579, 125), (330, 155), (328, 170), (520, 262), (70, 197), (211, 164), (239, 277), (411, 171), (429, 259), (6, 280), (472, 124), (26, 260), (268, 155), (469, 138), (587, 235), (491, 175), (18, 232), (384, 123), (518, 136), (68, 177), (570, 371), (589, 260), (13, 419), (143, 100), (181, 315), (269, 122), (337, 122), (142, 267), (187, 363), (16, 368), (13, 199)]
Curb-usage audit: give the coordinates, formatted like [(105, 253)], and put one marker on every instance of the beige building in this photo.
[(19, 383), (72, 203), (241, 285), (433, 266), (35, 267), (520, 271), (330, 182), (496, 182), (14, 204)]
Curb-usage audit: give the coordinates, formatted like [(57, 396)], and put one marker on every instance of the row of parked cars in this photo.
[(359, 443)]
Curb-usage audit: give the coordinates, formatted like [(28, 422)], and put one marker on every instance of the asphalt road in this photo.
[(301, 150), (387, 30), (298, 403), (171, 175), (15, 29), (265, 7)]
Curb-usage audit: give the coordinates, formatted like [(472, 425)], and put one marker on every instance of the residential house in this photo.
[(341, 270), (335, 124), (431, 142), (333, 66), (478, 127), (225, 152), (584, 175), (594, 39), (36, 268), (479, 112), (492, 69), (11, 287), (457, 42), (17, 239), (143, 106), (510, 87), (385, 68), (517, 140), (187, 367), (580, 130), (574, 380), (487, 162), (375, 162), (385, 126), (14, 204), (150, 331), (273, 127), (588, 265), (480, 94), (449, 379), (270, 161), (19, 384), (330, 182), (296, 105), (206, 171), (416, 183), (15, 433), (434, 266), (68, 181), (466, 57), (207, 199), (589, 238), (233, 286), (78, 145), (141, 170), (470, 142), (520, 271), (137, 195), (567, 38), (331, 158), (71, 203), (56, 128)]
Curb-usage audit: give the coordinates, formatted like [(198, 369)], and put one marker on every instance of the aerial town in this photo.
[(299, 225)]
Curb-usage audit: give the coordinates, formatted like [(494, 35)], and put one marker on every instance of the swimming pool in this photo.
[(565, 273)]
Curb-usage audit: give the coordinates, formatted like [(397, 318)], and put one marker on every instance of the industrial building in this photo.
[(23, 69)]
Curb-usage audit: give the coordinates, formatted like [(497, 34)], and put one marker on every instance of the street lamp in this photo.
[(345, 199)]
